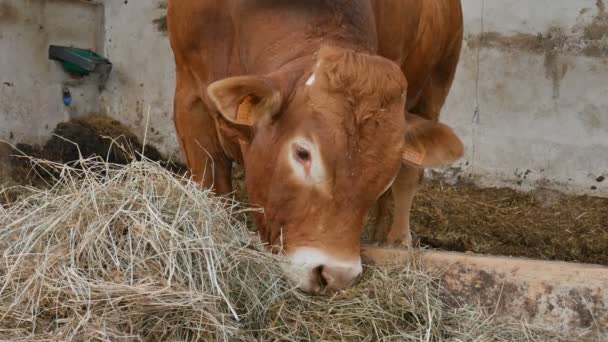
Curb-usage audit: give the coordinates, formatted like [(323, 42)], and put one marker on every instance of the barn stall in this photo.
[(519, 226)]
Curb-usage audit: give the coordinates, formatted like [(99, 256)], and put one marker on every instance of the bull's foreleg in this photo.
[(382, 212), (429, 106), (403, 191), (197, 135), (402, 195)]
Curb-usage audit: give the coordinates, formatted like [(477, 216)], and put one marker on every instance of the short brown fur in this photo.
[(382, 71)]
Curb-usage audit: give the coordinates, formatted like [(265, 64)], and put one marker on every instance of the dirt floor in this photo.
[(541, 224)]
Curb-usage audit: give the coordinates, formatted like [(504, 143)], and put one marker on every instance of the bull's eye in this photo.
[(305, 161), (302, 154)]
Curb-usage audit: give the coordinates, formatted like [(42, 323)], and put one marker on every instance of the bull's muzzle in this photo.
[(317, 271)]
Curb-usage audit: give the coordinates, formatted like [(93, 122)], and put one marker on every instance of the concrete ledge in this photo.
[(566, 297)]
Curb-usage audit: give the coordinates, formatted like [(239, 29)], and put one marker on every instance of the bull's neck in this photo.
[(290, 68), (282, 57), (274, 36), (288, 64)]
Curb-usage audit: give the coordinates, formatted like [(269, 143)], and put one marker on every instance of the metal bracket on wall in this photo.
[(81, 62)]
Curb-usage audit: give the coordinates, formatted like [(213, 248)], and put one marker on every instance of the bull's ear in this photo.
[(244, 100), (430, 143)]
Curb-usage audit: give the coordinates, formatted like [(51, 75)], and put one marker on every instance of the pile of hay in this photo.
[(131, 252)]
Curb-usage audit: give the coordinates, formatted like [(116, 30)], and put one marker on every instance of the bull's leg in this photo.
[(379, 227), (429, 106), (405, 185), (403, 189), (197, 135)]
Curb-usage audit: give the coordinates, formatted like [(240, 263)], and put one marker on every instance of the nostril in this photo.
[(318, 274), (339, 278)]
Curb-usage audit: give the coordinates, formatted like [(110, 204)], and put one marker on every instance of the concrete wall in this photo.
[(531, 94), (30, 84), (142, 82), (530, 98)]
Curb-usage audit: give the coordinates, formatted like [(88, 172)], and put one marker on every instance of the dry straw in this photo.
[(120, 253)]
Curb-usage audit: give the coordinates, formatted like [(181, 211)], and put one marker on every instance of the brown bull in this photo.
[(327, 104)]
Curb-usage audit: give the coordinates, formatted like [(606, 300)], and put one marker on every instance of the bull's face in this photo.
[(317, 158)]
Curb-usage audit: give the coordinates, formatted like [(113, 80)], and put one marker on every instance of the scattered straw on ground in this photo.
[(541, 224), (134, 252)]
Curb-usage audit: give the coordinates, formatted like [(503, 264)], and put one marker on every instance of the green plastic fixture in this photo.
[(79, 61)]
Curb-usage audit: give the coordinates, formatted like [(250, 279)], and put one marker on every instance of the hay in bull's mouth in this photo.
[(134, 252)]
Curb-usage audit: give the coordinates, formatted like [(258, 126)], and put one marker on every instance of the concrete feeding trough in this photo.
[(569, 298)]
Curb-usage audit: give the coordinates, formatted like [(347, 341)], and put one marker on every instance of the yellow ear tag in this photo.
[(412, 156), (244, 115)]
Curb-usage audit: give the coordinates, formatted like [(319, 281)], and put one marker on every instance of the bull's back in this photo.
[(419, 35), (422, 36)]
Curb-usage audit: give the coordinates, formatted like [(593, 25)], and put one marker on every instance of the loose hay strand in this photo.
[(133, 252)]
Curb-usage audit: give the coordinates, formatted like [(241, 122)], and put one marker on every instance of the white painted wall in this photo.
[(30, 84), (537, 111)]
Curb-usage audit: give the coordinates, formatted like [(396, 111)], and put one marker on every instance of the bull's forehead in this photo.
[(348, 113), (358, 76), (354, 133)]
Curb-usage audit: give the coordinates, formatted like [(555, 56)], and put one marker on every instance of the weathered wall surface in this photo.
[(530, 97), (531, 94), (141, 87), (30, 84)]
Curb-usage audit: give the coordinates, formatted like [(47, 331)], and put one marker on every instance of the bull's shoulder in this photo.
[(193, 23), (416, 27)]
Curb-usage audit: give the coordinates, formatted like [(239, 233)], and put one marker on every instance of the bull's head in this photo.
[(318, 156)]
